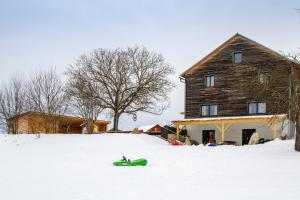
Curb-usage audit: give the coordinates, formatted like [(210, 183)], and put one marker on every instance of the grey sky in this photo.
[(39, 34)]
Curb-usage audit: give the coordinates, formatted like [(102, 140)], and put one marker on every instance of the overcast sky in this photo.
[(40, 34)]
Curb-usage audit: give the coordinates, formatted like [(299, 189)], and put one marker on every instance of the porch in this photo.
[(226, 127)]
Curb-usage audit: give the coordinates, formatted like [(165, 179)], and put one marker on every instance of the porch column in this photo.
[(222, 132), (177, 132), (274, 129), (222, 129)]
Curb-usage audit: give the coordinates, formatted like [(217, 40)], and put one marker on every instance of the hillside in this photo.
[(79, 167)]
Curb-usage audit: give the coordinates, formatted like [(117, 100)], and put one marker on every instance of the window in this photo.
[(257, 107), (209, 110), (237, 57), (210, 81), (263, 78)]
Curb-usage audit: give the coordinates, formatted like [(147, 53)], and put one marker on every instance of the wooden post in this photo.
[(177, 132), (274, 129), (222, 131)]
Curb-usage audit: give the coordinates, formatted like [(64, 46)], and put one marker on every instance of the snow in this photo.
[(79, 167), (146, 127)]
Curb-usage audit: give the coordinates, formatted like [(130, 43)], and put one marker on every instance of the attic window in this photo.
[(237, 57), (210, 81)]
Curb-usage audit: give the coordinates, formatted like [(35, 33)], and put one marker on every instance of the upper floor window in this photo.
[(209, 110), (237, 57), (263, 78), (257, 107), (210, 81)]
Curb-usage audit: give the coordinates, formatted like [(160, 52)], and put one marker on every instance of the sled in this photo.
[(176, 143), (212, 145), (127, 162)]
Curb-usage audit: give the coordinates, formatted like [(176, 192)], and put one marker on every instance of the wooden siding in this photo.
[(155, 130), (229, 92), (36, 123)]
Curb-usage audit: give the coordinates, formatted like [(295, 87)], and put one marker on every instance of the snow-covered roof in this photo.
[(147, 127), (234, 117)]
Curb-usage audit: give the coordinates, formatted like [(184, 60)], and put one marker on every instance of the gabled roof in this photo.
[(147, 127), (204, 60), (60, 116)]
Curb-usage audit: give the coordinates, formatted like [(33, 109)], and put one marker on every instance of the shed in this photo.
[(153, 129), (36, 122)]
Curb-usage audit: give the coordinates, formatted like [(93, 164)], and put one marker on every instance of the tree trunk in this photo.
[(116, 122), (295, 108), (90, 124), (297, 140), (297, 137)]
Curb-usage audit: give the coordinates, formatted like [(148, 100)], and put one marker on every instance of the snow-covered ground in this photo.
[(79, 167)]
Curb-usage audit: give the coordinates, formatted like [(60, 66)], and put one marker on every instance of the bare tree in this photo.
[(46, 96), (294, 101), (280, 92), (82, 105), (12, 104), (124, 81), (271, 87), (295, 92)]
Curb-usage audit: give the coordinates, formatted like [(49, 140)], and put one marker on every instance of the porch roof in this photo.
[(233, 119), (224, 123)]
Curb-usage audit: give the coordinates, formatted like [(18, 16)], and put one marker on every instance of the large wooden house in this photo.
[(220, 106), (35, 122)]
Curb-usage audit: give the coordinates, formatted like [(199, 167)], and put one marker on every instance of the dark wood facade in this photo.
[(230, 92)]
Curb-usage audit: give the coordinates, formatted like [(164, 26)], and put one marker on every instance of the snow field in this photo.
[(79, 167)]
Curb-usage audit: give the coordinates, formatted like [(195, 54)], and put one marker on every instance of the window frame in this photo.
[(233, 57), (265, 78), (257, 103), (210, 82), (209, 113)]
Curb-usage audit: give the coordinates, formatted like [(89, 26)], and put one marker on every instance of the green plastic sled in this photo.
[(139, 162)]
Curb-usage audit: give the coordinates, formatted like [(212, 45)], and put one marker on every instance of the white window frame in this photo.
[(258, 108), (235, 61), (209, 81), (209, 108)]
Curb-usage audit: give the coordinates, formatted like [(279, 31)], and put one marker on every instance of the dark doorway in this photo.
[(208, 136), (246, 135)]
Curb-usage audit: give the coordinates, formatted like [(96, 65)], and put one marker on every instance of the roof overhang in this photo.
[(231, 120), (73, 119), (201, 63)]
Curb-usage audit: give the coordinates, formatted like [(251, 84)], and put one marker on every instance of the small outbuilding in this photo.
[(154, 129), (35, 122)]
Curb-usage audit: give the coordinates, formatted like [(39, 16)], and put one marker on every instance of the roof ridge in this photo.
[(223, 45)]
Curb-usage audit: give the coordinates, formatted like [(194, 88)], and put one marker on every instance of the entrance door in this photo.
[(208, 136), (246, 135)]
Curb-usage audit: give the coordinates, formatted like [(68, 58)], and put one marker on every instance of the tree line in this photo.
[(117, 81)]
